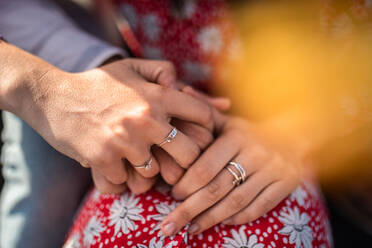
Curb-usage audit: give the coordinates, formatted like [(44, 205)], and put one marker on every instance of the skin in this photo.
[(207, 190), (170, 170), (102, 115)]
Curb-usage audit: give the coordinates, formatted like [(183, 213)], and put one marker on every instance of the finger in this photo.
[(200, 135), (104, 186), (142, 160), (181, 148), (197, 203), (188, 108), (238, 199), (157, 71), (113, 171), (169, 169), (221, 103), (208, 165), (264, 202), (137, 183)]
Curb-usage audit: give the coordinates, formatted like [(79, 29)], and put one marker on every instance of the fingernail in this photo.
[(193, 228), (228, 221), (169, 229)]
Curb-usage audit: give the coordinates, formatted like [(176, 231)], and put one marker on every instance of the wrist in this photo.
[(23, 75)]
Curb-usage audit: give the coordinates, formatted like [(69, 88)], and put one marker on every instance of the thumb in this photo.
[(156, 71)]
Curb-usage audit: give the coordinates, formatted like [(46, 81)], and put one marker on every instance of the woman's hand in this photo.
[(208, 187), (103, 115)]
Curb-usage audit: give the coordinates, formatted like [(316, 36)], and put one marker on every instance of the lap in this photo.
[(129, 220)]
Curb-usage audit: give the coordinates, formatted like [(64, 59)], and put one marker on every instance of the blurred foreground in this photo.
[(304, 70)]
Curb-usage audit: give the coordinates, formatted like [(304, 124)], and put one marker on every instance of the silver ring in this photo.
[(241, 170), (170, 137), (237, 180), (146, 165)]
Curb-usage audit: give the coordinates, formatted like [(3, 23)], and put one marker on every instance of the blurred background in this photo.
[(304, 67)]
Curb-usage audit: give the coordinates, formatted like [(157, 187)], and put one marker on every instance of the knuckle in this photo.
[(117, 178), (213, 191), (208, 116), (258, 152), (192, 154), (146, 117), (205, 138), (169, 66), (203, 173), (185, 215), (85, 164), (237, 201), (172, 177)]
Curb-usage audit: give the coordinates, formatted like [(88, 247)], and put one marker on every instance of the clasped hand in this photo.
[(112, 118)]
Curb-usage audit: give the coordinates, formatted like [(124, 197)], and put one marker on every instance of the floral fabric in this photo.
[(130, 220), (192, 36)]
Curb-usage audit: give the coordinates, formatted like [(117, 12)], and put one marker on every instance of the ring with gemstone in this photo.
[(170, 137), (146, 165)]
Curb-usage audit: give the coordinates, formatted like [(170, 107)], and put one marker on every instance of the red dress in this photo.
[(192, 38)]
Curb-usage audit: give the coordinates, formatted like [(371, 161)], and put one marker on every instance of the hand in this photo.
[(103, 115), (212, 197), (170, 170)]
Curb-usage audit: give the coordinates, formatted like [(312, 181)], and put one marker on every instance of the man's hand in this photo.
[(103, 115)]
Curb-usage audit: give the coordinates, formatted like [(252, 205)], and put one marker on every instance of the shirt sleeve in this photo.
[(41, 28)]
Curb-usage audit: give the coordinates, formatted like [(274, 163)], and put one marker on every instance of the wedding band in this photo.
[(146, 165), (237, 180), (170, 137), (241, 170)]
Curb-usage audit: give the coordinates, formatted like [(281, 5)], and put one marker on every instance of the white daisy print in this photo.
[(195, 71), (152, 52), (92, 230), (130, 14), (312, 189), (157, 244), (187, 11), (210, 39), (299, 195), (240, 240), (151, 27), (296, 226), (163, 210), (124, 212)]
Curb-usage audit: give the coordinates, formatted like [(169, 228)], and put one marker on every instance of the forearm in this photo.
[(20, 73)]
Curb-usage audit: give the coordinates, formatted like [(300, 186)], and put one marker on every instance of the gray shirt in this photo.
[(40, 27)]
